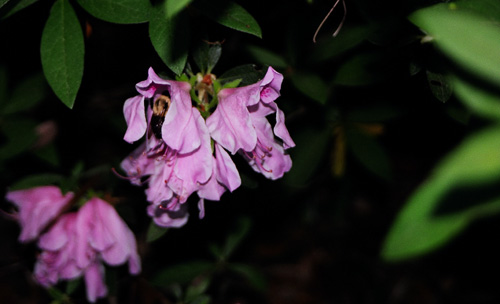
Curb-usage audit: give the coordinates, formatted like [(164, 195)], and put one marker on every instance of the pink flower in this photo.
[(79, 242), (37, 207), (239, 124)]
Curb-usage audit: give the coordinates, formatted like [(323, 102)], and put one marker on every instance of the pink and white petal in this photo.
[(226, 171), (133, 110)]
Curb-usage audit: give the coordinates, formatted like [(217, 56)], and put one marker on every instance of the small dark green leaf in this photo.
[(364, 69), (37, 180), (72, 285), (256, 278), (27, 94), (311, 85), (118, 11), (169, 37), (480, 100), (369, 153), (20, 136), (235, 238), (197, 289), (62, 52), (15, 6), (471, 40), (206, 56), (267, 57), (175, 6), (155, 232), (231, 15), (308, 155), (48, 154), (181, 273), (248, 74), (440, 85)]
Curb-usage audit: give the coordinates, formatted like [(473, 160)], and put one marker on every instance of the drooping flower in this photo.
[(239, 124), (80, 241), (37, 208)]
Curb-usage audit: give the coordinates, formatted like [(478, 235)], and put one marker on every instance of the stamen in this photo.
[(328, 15)]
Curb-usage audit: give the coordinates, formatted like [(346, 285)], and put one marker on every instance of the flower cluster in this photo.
[(76, 243), (183, 153)]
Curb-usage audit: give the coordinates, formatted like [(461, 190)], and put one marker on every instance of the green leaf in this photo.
[(62, 52), (479, 100), (169, 37), (267, 57), (420, 227), (311, 85), (248, 74), (196, 290), (26, 95), (235, 238), (15, 6), (308, 155), (175, 6), (20, 136), (118, 11), (487, 8), (4, 84), (181, 273), (37, 180), (206, 56), (369, 153), (364, 68), (154, 232), (231, 15), (49, 154), (471, 40), (440, 86), (256, 278)]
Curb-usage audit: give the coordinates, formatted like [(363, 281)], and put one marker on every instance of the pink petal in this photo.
[(94, 281), (227, 173), (133, 110)]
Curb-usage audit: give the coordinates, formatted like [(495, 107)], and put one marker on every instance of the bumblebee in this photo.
[(160, 108)]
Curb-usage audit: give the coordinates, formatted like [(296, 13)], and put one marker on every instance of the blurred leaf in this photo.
[(62, 52), (118, 11), (154, 232), (196, 290), (169, 37), (15, 6), (181, 273), (26, 95), (20, 136), (418, 229), (440, 86), (379, 113), (49, 154), (267, 57), (308, 155), (3, 87), (248, 74), (311, 85), (72, 285), (487, 8), (369, 153), (235, 238), (479, 100), (206, 56), (330, 48), (231, 15), (175, 6), (472, 41), (364, 69), (254, 277), (201, 299), (36, 180)]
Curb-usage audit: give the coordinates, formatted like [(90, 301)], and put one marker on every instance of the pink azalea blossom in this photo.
[(239, 124), (80, 241), (37, 208)]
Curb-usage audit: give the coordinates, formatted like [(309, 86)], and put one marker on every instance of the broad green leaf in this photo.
[(155, 232), (440, 86), (206, 56), (308, 155), (369, 153), (175, 6), (267, 57), (256, 279), (169, 37), (480, 100), (26, 95), (15, 6), (471, 40), (419, 227), (37, 180), (231, 15), (487, 8), (62, 52), (196, 290), (311, 85), (118, 11), (181, 273), (248, 74)]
